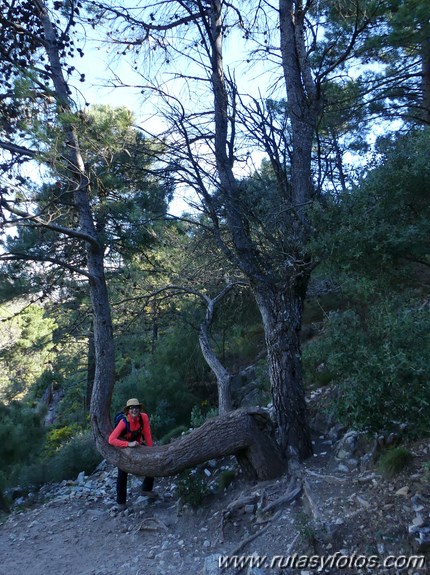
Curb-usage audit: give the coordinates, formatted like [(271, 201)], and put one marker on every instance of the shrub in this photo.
[(200, 413), (225, 478), (58, 436), (176, 432), (394, 460), (21, 433), (380, 364), (162, 419), (79, 454), (192, 488)]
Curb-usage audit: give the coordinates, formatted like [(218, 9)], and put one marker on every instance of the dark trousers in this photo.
[(121, 486)]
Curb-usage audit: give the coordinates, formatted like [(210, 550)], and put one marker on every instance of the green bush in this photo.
[(21, 433), (162, 418), (394, 461), (79, 454), (380, 364), (31, 475), (200, 413), (192, 488), (56, 437), (225, 478), (174, 433)]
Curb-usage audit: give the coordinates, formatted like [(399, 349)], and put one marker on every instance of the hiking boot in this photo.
[(150, 494)]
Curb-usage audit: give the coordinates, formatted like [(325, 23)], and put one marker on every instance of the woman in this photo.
[(132, 430)]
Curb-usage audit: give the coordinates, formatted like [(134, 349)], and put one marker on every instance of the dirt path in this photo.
[(69, 536), (78, 531)]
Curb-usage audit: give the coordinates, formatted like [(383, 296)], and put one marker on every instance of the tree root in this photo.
[(292, 494), (247, 540), (236, 507), (327, 477), (256, 500), (311, 502), (146, 525)]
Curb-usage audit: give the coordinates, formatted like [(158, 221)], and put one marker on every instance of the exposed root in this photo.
[(152, 524), (327, 477), (247, 540), (285, 499)]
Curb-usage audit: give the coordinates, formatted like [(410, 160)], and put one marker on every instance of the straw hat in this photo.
[(132, 402)]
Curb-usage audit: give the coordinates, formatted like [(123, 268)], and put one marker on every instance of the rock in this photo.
[(363, 502), (335, 432), (255, 571), (321, 423), (403, 491), (419, 520), (423, 540), (352, 446), (80, 480), (211, 565)]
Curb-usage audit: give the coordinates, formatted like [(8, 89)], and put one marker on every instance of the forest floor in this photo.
[(327, 513)]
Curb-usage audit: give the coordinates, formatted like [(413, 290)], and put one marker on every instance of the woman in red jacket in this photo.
[(131, 431)]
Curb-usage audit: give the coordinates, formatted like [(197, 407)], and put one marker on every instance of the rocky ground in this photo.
[(336, 508)]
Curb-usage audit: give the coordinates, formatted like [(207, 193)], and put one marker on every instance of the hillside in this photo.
[(336, 506)]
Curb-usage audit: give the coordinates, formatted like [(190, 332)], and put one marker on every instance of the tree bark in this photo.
[(91, 370), (244, 433), (282, 312), (426, 76)]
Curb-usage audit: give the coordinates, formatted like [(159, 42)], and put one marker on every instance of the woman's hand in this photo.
[(133, 443)]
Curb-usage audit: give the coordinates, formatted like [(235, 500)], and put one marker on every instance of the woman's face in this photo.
[(134, 410)]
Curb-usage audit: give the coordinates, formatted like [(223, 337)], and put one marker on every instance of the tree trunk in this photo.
[(104, 378), (91, 370), (281, 307), (426, 76), (244, 433), (102, 322), (223, 377), (303, 102), (281, 311)]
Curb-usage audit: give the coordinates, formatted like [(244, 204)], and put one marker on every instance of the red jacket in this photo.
[(119, 431)]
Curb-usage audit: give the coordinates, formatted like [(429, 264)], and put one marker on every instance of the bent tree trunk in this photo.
[(244, 433)]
